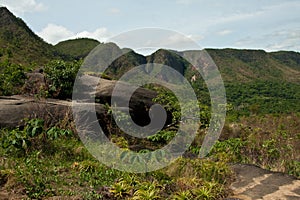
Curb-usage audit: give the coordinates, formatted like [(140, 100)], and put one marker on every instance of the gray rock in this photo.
[(34, 84), (14, 109), (253, 182)]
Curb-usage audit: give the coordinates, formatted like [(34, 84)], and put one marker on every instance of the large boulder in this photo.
[(100, 90), (35, 83), (139, 104), (14, 109)]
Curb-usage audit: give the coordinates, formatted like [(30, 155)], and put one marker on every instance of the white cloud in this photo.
[(148, 40), (171, 40), (244, 41), (53, 34), (20, 7), (182, 41), (100, 34), (224, 32), (284, 5), (273, 14), (175, 41)]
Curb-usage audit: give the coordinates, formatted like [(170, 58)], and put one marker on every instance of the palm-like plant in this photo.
[(147, 191), (183, 195), (120, 189)]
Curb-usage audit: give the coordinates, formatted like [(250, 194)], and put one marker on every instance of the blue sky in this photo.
[(257, 24)]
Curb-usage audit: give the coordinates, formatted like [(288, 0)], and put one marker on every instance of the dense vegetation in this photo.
[(12, 78), (263, 97), (19, 44), (60, 77)]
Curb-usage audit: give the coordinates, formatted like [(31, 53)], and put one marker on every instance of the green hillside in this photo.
[(124, 63), (236, 66), (256, 82), (76, 48), (249, 65), (260, 82), (289, 58), (19, 44)]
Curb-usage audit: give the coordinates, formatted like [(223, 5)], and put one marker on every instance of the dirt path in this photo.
[(255, 183)]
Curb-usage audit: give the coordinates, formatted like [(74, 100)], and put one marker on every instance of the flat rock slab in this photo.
[(253, 182), (14, 109)]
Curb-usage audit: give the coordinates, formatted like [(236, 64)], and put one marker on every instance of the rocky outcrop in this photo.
[(14, 109), (139, 104), (140, 97), (35, 83), (101, 91), (253, 182)]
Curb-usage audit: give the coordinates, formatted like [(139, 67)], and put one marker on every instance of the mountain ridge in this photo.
[(19, 43)]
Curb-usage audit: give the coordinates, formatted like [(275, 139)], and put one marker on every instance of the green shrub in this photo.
[(293, 168), (120, 189), (162, 136), (32, 137), (12, 78), (171, 104), (147, 191), (232, 147), (60, 77)]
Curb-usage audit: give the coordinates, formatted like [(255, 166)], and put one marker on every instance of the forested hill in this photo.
[(249, 65), (257, 82), (75, 48), (19, 43), (236, 66)]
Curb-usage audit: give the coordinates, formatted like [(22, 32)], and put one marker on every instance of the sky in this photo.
[(270, 25)]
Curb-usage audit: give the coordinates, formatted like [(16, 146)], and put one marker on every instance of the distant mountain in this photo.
[(19, 44), (124, 63), (255, 81), (76, 48), (235, 65), (292, 59), (249, 65), (260, 82)]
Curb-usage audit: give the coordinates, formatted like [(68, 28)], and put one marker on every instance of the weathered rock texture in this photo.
[(253, 182), (14, 109)]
